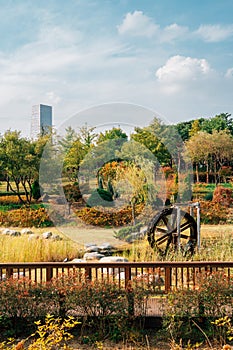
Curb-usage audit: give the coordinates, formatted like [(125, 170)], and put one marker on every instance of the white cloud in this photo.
[(137, 24), (180, 70), (229, 73), (72, 70), (214, 33), (174, 31)]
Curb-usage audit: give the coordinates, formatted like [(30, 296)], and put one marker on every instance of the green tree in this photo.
[(114, 133), (183, 129), (19, 163), (107, 146), (67, 141), (221, 121), (150, 137), (87, 136), (73, 147)]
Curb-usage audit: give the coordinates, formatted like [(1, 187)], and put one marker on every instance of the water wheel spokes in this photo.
[(162, 232)]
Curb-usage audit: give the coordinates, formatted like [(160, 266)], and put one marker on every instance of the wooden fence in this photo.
[(159, 277)]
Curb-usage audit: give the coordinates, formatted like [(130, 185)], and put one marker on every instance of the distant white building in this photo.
[(41, 121)]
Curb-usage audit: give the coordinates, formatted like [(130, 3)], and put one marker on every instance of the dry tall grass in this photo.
[(24, 249)]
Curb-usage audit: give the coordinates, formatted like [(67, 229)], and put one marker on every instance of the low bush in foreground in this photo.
[(198, 314), (23, 302)]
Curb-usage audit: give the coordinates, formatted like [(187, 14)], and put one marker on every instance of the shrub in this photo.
[(223, 195), (22, 302), (72, 192), (97, 217), (36, 190), (125, 232), (213, 212), (53, 333), (209, 196), (11, 199), (100, 197), (26, 217), (190, 313)]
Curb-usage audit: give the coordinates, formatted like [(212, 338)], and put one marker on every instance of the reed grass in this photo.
[(23, 249), (216, 245)]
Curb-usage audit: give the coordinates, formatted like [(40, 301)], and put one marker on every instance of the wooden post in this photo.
[(168, 279), (178, 228), (49, 273), (9, 272), (88, 273), (127, 276)]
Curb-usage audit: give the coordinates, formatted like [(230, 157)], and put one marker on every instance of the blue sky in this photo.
[(173, 57)]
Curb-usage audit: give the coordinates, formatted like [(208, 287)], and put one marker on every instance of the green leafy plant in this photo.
[(190, 313), (35, 190), (100, 197)]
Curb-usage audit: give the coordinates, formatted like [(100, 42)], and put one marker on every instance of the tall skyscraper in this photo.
[(41, 121)]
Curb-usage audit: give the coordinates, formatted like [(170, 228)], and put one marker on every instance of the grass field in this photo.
[(216, 244)]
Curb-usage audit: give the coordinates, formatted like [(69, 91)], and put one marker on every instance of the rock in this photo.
[(33, 236), (113, 259), (47, 235), (26, 231), (15, 233), (12, 233), (45, 198), (106, 247), (93, 256), (86, 245), (56, 238), (6, 231), (76, 260), (91, 248)]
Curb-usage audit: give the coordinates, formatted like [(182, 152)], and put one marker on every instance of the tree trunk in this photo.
[(207, 172), (197, 173), (215, 172)]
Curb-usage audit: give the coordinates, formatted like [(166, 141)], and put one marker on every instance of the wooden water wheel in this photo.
[(163, 230)]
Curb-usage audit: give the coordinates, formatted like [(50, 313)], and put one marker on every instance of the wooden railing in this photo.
[(159, 277)]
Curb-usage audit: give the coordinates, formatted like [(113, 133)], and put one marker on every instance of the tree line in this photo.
[(206, 142)]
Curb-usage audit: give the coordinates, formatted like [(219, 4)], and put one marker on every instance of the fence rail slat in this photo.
[(173, 274)]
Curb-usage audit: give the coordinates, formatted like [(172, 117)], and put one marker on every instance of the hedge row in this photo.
[(23, 302), (103, 218), (25, 217)]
